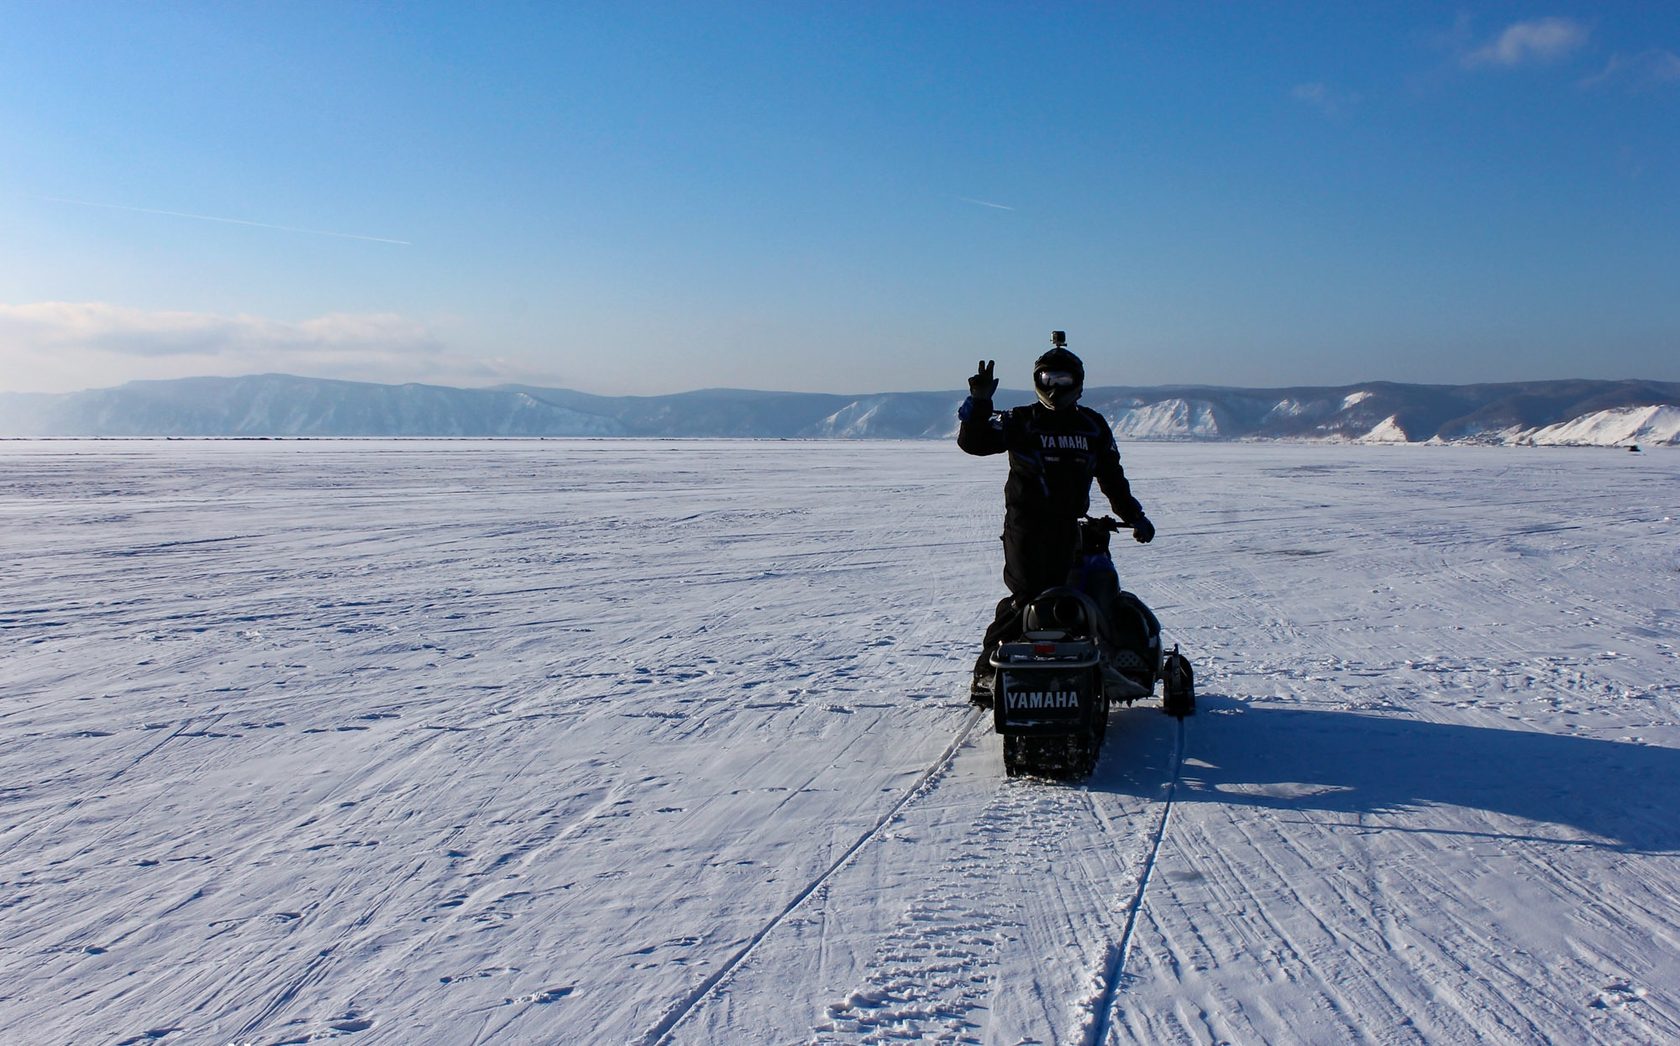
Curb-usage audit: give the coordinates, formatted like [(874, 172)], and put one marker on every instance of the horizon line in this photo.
[(518, 385)]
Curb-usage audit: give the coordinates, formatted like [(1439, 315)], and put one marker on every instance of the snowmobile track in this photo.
[(662, 1032), (1118, 953)]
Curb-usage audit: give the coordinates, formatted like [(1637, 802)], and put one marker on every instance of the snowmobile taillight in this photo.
[(1044, 649)]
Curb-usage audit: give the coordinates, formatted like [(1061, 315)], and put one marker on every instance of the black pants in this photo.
[(1036, 556)]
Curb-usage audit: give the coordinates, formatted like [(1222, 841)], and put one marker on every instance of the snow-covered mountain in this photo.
[(1618, 425), (1603, 413), (282, 405)]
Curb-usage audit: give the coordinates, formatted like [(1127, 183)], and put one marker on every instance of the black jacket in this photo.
[(1053, 456)]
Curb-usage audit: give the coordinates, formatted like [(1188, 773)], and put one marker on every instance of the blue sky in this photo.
[(847, 197)]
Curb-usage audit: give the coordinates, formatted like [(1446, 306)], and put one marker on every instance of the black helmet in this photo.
[(1058, 377)]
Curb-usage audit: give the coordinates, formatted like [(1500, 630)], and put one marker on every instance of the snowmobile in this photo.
[(1083, 646)]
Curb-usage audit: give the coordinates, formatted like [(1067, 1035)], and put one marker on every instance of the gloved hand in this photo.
[(982, 385), (1143, 531)]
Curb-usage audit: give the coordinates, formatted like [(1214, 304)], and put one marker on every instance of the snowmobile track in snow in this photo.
[(493, 741), (662, 1032), (1116, 972)]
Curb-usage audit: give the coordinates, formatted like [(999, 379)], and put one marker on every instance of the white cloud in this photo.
[(63, 346), (1324, 98), (1529, 43), (1642, 71)]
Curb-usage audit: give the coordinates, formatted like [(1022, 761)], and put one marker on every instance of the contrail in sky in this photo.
[(228, 221), (985, 203)]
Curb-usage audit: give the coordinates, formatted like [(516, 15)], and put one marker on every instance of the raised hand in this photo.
[(983, 385)]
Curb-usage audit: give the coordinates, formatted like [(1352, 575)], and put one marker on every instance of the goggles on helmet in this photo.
[(1055, 379)]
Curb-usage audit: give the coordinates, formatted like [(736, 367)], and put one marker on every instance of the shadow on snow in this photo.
[(1615, 794)]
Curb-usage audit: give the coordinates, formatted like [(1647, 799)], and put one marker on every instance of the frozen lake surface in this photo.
[(563, 741)]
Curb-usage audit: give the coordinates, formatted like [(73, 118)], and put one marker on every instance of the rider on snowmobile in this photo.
[(1056, 448)]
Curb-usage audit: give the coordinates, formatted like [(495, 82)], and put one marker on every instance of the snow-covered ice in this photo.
[(621, 741)]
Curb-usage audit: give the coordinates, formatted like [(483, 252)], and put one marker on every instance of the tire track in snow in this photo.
[(1115, 974), (934, 977), (928, 976), (1016, 913), (662, 1031), (212, 718)]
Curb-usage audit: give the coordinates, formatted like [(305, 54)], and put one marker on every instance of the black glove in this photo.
[(1143, 531), (982, 385)]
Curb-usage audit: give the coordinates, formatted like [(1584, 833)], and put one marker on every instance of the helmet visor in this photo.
[(1056, 379)]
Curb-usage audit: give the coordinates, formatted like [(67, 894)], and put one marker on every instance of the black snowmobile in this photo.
[(1083, 646)]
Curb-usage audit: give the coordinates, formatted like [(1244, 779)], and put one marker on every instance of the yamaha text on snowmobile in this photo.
[(1083, 646)]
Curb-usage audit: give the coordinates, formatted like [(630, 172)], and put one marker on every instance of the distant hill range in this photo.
[(1594, 413)]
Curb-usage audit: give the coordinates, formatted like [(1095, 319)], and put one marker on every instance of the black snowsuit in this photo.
[(1053, 456)]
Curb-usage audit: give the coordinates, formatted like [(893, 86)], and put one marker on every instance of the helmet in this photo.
[(1058, 378)]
